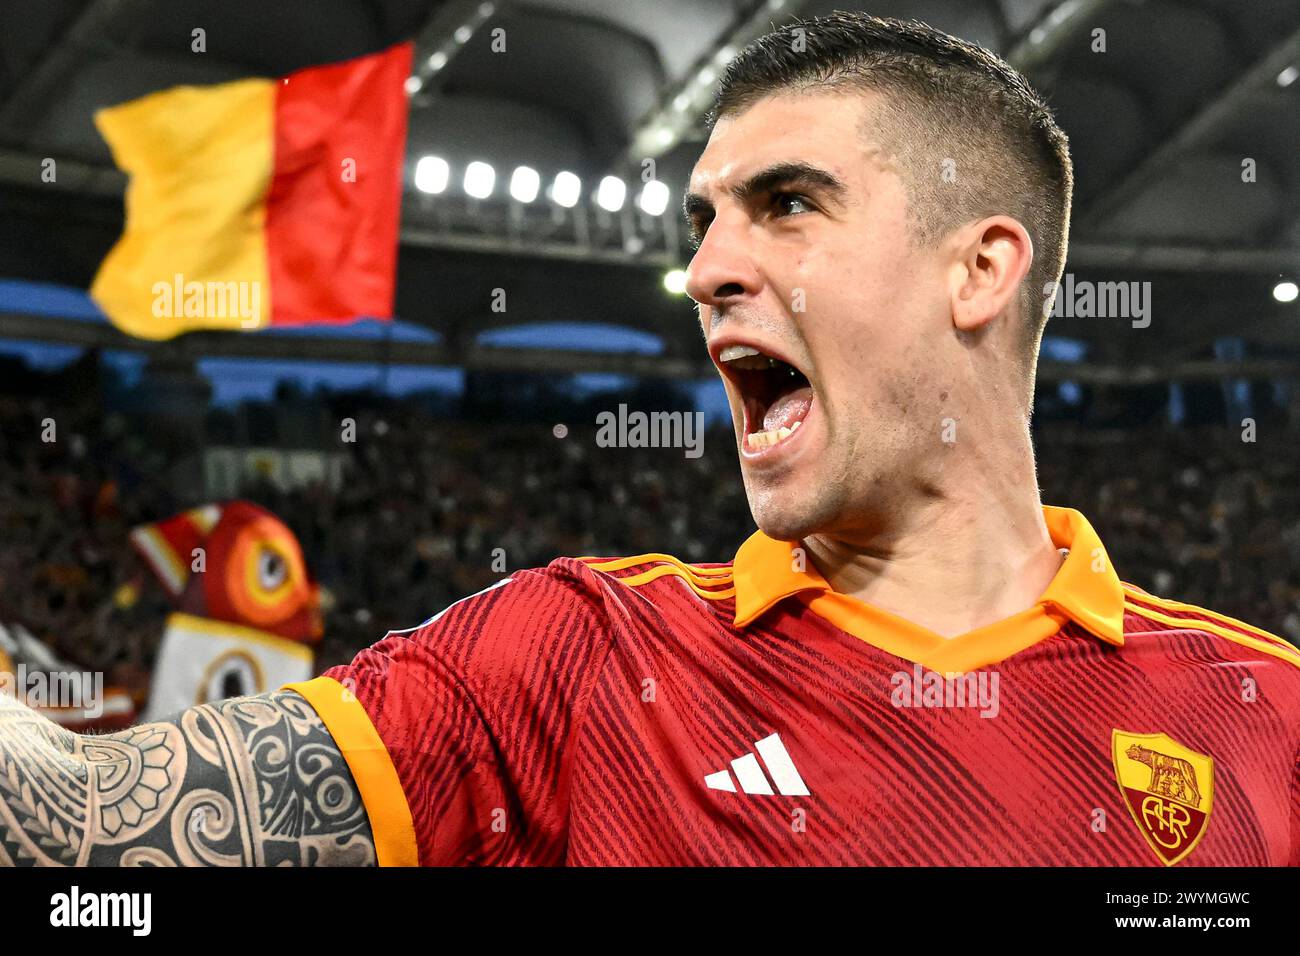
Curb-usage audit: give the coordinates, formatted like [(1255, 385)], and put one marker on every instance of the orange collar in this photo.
[(1086, 589)]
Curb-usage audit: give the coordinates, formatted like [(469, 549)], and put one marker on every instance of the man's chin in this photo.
[(778, 517), (791, 503), (791, 533)]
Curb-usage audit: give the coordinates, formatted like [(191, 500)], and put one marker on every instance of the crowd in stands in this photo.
[(431, 510)]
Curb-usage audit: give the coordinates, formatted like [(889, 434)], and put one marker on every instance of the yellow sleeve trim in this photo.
[(620, 564), (1195, 624), (645, 577), (713, 583), (372, 768), (1167, 603)]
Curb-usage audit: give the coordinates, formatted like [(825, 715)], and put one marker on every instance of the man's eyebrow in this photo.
[(767, 180)]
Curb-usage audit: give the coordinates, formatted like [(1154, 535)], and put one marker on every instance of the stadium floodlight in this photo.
[(432, 174), (1288, 76), (437, 61), (479, 179), (654, 198), (566, 189), (524, 184), (1286, 291), (611, 193), (413, 84), (675, 281)]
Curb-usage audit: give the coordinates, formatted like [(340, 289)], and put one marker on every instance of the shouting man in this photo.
[(912, 662)]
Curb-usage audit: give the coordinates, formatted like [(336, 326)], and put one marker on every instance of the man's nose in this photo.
[(724, 267)]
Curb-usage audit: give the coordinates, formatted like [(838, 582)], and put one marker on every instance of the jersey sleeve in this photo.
[(457, 731), (1295, 813)]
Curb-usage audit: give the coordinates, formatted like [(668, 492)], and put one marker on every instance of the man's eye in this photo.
[(791, 204)]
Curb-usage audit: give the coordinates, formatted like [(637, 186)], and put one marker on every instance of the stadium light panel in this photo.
[(675, 281), (479, 179), (1286, 291), (566, 189), (432, 174), (524, 184), (654, 198), (611, 193)]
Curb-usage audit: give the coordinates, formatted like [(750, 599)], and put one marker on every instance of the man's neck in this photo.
[(956, 563)]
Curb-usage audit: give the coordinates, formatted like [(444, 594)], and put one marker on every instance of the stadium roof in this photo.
[(1160, 124)]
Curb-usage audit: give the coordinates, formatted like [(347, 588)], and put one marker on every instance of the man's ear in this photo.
[(990, 259)]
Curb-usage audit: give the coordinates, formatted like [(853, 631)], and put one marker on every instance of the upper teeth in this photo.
[(733, 352)]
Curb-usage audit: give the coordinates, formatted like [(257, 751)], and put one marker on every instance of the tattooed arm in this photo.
[(253, 781)]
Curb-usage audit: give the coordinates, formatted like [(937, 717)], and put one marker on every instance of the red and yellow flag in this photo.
[(259, 202)]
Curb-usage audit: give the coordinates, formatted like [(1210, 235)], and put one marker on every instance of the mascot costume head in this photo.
[(247, 611)]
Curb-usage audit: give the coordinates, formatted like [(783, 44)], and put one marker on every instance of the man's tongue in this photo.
[(789, 408)]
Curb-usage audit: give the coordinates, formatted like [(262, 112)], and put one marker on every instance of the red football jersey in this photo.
[(644, 711)]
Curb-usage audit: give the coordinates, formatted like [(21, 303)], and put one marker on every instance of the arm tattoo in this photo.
[(253, 781)]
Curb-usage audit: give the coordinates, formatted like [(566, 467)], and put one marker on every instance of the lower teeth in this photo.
[(769, 438)]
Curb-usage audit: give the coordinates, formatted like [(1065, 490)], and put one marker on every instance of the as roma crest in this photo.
[(1168, 788)]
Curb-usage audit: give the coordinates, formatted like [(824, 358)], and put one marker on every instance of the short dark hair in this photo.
[(944, 99)]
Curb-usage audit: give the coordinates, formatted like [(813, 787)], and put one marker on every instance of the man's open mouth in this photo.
[(777, 396)]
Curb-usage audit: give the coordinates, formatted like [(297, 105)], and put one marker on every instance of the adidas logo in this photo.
[(749, 771)]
